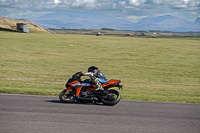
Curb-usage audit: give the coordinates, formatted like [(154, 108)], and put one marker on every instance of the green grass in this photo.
[(151, 69)]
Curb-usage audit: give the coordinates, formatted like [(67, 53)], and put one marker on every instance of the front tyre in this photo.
[(112, 97), (67, 97)]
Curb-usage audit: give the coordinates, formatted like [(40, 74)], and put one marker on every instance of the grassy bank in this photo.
[(151, 69)]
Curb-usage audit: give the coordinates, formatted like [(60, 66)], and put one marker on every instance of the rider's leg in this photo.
[(98, 84)]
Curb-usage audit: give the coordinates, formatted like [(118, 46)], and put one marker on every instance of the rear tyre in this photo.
[(112, 98), (67, 97)]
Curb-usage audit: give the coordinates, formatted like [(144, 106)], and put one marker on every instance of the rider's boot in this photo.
[(98, 84)]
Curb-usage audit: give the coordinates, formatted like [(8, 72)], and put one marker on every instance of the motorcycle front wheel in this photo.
[(112, 97), (67, 97)]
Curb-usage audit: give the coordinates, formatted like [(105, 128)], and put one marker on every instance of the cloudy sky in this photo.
[(131, 10)]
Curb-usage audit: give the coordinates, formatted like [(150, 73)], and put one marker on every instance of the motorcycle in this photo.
[(87, 91)]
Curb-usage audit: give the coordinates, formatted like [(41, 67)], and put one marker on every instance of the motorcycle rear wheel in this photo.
[(112, 98), (67, 97)]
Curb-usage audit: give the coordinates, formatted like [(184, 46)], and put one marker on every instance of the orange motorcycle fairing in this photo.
[(111, 83), (90, 88), (77, 85), (68, 88)]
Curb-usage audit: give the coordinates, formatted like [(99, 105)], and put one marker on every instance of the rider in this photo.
[(96, 76)]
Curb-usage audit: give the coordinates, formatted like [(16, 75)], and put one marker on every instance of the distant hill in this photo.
[(88, 20), (12, 24), (197, 21), (79, 20), (167, 23)]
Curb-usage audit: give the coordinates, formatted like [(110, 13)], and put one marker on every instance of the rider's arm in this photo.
[(87, 74)]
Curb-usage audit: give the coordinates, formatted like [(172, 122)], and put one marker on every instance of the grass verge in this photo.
[(151, 69)]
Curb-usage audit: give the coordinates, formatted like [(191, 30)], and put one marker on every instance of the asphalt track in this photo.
[(43, 114)]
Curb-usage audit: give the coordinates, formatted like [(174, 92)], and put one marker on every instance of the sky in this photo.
[(130, 10)]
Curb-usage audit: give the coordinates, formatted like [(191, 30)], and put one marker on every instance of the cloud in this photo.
[(56, 1), (96, 4), (125, 9), (136, 2)]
